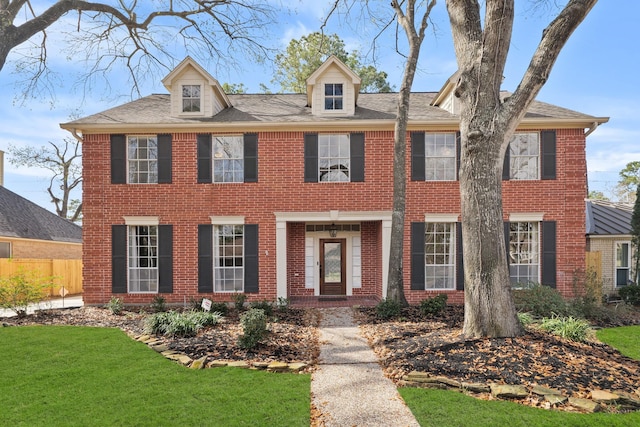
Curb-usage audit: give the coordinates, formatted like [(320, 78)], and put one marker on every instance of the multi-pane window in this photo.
[(142, 159), (334, 158), (440, 255), (524, 259), (228, 159), (143, 258), (440, 153), (623, 263), (5, 249), (524, 156), (228, 258), (333, 96), (190, 98)]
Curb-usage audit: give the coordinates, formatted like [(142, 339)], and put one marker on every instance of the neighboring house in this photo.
[(29, 231), (609, 233), (201, 194)]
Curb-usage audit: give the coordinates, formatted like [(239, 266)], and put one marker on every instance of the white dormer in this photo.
[(194, 92), (446, 98), (332, 90)]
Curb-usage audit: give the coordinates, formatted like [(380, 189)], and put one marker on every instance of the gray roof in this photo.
[(608, 218), (24, 219), (291, 108)]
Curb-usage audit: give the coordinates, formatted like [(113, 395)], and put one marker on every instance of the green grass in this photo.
[(445, 408), (626, 339), (77, 376)]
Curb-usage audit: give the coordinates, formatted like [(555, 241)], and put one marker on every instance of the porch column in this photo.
[(386, 253), (281, 259)]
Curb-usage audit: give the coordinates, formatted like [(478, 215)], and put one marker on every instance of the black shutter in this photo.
[(459, 260), (251, 259), (506, 168), (119, 259), (164, 159), (251, 157), (418, 172), (118, 159), (548, 150), (417, 256), (357, 157), (549, 253), (311, 157), (204, 158), (165, 259), (205, 258), (507, 231), (458, 154)]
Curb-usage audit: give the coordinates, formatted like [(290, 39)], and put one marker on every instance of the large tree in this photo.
[(303, 56), (64, 161), (487, 124), (635, 237), (407, 20), (629, 182), (135, 35)]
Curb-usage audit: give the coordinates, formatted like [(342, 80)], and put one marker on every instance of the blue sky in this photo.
[(596, 74)]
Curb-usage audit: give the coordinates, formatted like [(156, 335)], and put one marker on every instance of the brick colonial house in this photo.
[(198, 193)]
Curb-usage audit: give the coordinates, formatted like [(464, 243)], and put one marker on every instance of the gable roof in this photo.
[(262, 111), (607, 218), (24, 219), (336, 62), (188, 62)]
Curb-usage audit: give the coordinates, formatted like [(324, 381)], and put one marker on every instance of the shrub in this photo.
[(388, 309), (539, 300), (254, 327), (23, 288), (630, 294), (263, 305), (115, 305), (219, 307), (525, 318), (238, 301), (566, 327), (186, 324), (282, 303), (433, 306), (158, 304)]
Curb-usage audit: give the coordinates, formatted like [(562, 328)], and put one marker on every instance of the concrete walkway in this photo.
[(68, 302), (349, 387)]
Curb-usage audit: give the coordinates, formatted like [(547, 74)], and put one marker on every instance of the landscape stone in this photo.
[(507, 391), (555, 399), (160, 348), (545, 391), (603, 396), (587, 405), (239, 364), (260, 365), (218, 364), (476, 387), (184, 359), (297, 367), (278, 366), (199, 363), (629, 399)]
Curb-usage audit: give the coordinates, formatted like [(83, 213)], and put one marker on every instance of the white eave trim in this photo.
[(333, 216), (141, 220), (526, 216)]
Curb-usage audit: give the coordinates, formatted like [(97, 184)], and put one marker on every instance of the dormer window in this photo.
[(190, 98), (333, 96)]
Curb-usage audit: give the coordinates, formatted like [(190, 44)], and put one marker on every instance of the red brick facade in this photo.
[(185, 204)]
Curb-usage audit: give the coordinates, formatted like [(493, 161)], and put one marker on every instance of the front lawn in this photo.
[(66, 375), (626, 339)]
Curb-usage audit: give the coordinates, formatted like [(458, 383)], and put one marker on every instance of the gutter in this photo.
[(592, 129), (74, 132)]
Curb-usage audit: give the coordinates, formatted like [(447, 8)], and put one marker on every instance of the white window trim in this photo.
[(213, 158), (539, 248), (454, 250), (227, 220), (136, 223), (141, 220), (325, 96), (615, 261), (526, 217), (216, 253), (202, 88), (128, 161), (539, 168), (455, 157), (428, 217), (348, 135)]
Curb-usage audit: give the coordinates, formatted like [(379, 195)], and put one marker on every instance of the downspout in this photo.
[(592, 129), (74, 132)]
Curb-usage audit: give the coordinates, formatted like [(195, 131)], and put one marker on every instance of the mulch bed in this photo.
[(437, 346)]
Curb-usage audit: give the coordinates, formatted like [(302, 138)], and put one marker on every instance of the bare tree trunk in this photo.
[(487, 124)]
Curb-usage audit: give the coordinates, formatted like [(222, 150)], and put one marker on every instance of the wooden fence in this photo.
[(67, 273), (594, 264)]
